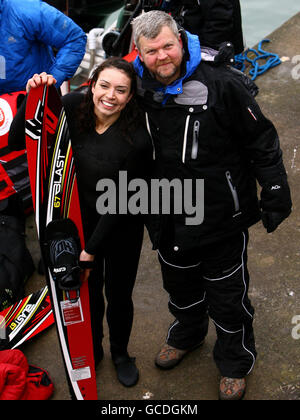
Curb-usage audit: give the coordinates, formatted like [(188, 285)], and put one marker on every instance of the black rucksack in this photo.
[(16, 264)]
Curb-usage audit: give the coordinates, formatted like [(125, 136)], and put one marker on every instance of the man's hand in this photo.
[(272, 219)]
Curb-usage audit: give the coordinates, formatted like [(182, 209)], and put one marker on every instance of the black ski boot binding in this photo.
[(63, 252)]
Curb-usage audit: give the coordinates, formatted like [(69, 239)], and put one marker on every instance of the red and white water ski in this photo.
[(55, 199)]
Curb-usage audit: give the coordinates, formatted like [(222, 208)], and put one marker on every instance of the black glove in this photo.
[(276, 196), (276, 202), (272, 219)]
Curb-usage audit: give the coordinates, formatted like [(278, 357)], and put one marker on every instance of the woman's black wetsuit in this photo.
[(116, 240)]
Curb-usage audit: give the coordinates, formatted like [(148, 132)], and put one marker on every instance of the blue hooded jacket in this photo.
[(192, 62), (28, 30)]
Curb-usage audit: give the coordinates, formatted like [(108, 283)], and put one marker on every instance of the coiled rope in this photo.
[(272, 60)]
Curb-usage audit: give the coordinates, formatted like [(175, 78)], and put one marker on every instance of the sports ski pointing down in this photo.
[(59, 226), (25, 319)]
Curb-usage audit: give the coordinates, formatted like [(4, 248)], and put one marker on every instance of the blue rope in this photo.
[(257, 69)]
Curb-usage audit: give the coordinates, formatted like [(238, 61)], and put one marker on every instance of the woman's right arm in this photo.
[(16, 137)]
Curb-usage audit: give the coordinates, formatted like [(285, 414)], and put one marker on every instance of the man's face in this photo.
[(162, 55)]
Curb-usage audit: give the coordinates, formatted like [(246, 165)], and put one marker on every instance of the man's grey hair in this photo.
[(150, 24)]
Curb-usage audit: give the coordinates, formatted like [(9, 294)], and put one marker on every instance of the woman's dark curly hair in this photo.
[(130, 117)]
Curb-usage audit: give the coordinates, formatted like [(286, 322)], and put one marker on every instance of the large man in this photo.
[(205, 124), (29, 31)]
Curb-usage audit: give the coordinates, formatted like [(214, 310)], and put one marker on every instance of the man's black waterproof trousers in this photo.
[(212, 281)]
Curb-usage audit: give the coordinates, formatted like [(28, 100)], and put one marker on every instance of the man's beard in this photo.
[(167, 78)]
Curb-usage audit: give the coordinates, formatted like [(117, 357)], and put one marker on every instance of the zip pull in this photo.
[(150, 134), (196, 131), (233, 191), (185, 137)]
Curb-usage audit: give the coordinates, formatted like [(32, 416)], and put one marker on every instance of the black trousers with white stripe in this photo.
[(212, 282)]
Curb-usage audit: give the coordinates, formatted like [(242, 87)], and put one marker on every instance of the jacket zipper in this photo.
[(185, 137), (196, 130), (150, 134), (233, 191)]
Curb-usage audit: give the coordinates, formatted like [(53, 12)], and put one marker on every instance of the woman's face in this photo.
[(111, 92)]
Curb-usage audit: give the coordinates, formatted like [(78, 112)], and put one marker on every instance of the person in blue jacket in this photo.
[(29, 31)]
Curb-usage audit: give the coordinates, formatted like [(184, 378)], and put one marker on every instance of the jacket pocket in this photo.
[(233, 191)]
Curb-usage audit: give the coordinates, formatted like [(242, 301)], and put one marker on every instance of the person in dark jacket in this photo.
[(107, 138), (205, 125), (29, 31), (214, 21)]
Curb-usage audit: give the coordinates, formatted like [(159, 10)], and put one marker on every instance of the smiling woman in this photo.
[(110, 97), (107, 138), (111, 93)]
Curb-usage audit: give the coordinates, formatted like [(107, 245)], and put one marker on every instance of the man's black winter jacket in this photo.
[(215, 131)]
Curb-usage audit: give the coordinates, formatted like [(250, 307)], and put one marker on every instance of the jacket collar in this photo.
[(191, 60)]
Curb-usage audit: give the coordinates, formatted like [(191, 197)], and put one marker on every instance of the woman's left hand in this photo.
[(85, 257)]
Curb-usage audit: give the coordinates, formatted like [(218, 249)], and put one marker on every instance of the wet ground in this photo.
[(274, 263)]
